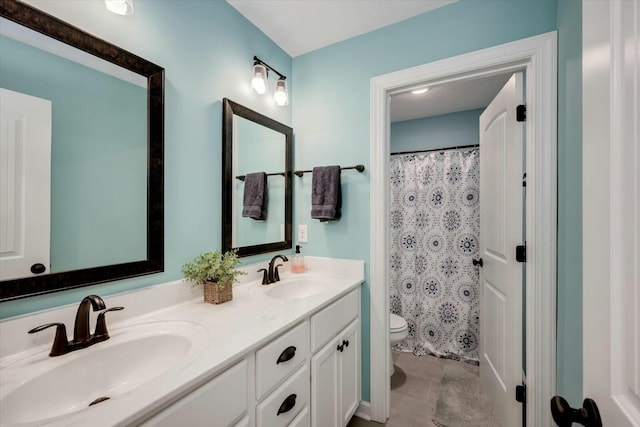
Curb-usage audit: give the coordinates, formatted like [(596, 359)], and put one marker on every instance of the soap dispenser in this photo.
[(297, 265)]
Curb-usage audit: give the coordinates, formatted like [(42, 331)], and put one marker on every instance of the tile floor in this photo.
[(414, 392)]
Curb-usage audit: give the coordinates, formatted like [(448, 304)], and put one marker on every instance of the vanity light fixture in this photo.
[(420, 91), (281, 97), (120, 7), (259, 79)]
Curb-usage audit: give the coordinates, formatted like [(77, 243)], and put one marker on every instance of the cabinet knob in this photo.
[(287, 404), (345, 343), (38, 268), (340, 348), (286, 355)]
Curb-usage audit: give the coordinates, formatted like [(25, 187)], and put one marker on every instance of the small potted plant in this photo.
[(216, 273)]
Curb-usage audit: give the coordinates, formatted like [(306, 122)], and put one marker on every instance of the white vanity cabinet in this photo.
[(306, 376), (335, 368), (219, 403)]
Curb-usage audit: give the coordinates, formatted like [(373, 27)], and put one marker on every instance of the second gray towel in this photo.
[(254, 204), (326, 195)]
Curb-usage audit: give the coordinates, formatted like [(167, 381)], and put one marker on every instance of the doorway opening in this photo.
[(437, 300), (536, 56)]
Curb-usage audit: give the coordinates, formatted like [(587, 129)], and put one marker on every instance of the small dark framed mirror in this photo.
[(103, 129), (255, 143)]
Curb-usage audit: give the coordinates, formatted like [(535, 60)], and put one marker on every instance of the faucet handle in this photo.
[(101, 323), (265, 276), (276, 275), (60, 342)]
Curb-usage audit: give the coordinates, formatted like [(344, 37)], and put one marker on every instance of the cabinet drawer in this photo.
[(302, 420), (327, 323), (288, 399), (281, 357), (218, 403)]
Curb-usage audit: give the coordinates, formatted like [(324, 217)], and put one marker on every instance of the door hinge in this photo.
[(524, 180), (521, 393), (521, 253), (521, 113)]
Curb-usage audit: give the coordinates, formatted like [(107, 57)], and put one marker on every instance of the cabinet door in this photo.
[(325, 403), (243, 422), (349, 373), (218, 403)]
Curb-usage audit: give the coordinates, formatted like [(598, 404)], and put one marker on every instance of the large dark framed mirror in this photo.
[(100, 112), (254, 143)]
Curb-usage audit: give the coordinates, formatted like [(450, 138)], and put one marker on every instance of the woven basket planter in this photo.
[(215, 294)]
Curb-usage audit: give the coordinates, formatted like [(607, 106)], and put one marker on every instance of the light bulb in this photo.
[(120, 7), (281, 97), (258, 81)]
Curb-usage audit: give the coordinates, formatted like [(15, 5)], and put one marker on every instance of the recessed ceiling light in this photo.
[(120, 7), (420, 91)]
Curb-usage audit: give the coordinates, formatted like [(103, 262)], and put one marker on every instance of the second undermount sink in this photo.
[(50, 387), (298, 288)]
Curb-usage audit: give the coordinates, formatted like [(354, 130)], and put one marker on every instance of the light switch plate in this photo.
[(302, 233)]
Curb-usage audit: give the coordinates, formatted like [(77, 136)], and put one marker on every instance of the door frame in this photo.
[(610, 227), (537, 56)]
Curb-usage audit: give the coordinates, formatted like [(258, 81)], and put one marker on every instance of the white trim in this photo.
[(363, 411), (537, 56)]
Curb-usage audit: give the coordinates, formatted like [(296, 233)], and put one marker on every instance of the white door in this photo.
[(611, 209), (25, 182), (501, 210)]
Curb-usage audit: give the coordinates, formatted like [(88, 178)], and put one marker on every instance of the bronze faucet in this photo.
[(271, 275), (81, 332), (82, 338)]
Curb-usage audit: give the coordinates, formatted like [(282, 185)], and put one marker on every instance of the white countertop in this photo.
[(233, 329)]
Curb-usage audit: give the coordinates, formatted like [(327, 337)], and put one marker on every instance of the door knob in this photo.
[(564, 415)]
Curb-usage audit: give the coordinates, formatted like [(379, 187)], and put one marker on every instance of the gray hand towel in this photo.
[(254, 204), (326, 195)]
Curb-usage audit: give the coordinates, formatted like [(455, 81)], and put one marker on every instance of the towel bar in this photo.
[(359, 168), (242, 177)]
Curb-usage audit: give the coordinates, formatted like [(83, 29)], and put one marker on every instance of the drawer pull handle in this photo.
[(345, 343), (340, 348), (288, 404), (286, 355)]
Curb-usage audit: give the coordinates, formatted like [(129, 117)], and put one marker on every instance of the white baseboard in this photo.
[(364, 411)]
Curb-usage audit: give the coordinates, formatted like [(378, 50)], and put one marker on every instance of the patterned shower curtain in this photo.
[(435, 227)]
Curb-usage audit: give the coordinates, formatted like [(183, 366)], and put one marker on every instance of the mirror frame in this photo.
[(229, 109), (57, 29)]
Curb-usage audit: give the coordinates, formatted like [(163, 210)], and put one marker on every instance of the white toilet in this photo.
[(398, 331)]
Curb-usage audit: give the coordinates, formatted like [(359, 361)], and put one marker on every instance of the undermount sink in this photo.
[(50, 387), (298, 288)]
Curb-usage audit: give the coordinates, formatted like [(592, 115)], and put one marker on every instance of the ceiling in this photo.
[(447, 98), (301, 26)]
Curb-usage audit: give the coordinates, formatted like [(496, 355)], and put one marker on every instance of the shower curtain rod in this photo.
[(437, 149)]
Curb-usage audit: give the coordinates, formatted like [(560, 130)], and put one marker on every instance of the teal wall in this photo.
[(446, 130), (569, 351), (207, 49), (98, 169), (331, 115)]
